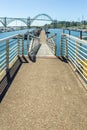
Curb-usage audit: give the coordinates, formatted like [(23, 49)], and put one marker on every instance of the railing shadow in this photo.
[(63, 59), (32, 57), (9, 77), (33, 53)]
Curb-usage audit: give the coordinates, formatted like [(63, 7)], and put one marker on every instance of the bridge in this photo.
[(48, 93), (28, 21)]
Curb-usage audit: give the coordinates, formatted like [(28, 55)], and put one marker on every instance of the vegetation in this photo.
[(67, 24)]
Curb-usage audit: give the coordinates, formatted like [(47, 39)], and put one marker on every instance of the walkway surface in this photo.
[(44, 50), (44, 96), (42, 37)]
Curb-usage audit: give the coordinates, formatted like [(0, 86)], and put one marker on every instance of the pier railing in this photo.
[(10, 49), (52, 44), (75, 50), (34, 44)]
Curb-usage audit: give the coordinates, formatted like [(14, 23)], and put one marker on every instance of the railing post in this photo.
[(27, 44), (80, 34), (66, 48), (7, 55), (61, 46), (76, 55), (23, 45), (18, 45), (69, 32)]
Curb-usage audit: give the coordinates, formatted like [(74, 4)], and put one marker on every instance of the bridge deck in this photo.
[(44, 96)]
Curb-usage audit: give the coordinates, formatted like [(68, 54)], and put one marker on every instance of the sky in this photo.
[(68, 10)]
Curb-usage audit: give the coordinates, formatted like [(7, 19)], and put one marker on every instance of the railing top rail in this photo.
[(75, 38), (10, 37), (7, 38)]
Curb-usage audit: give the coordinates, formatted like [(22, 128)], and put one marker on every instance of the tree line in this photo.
[(66, 24)]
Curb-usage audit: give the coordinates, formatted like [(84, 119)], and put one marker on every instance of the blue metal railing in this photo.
[(10, 48), (75, 50), (52, 44)]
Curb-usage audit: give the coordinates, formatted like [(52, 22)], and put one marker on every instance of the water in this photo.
[(58, 39), (58, 32), (52, 31), (6, 34)]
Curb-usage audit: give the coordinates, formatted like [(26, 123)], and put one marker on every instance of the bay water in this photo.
[(52, 31)]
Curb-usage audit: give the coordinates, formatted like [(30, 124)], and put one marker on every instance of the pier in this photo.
[(44, 50), (45, 94)]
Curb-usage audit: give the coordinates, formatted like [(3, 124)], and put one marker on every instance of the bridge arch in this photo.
[(5, 21), (19, 19), (35, 18), (2, 23)]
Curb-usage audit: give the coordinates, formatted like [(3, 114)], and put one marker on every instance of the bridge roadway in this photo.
[(45, 95)]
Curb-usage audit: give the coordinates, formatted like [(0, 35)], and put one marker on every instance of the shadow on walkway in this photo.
[(9, 77)]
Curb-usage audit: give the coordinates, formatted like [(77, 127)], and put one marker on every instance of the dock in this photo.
[(44, 50), (45, 95)]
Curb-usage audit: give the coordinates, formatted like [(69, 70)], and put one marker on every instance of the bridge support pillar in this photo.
[(5, 23), (28, 22)]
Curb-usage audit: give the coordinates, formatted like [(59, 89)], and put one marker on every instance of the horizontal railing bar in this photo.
[(12, 58), (78, 50), (75, 49), (72, 49), (78, 58), (80, 71), (83, 52), (10, 53), (2, 63), (12, 40), (79, 46), (76, 67), (13, 48), (78, 54), (7, 38), (4, 58), (1, 55), (13, 54), (10, 49), (13, 44), (76, 39)]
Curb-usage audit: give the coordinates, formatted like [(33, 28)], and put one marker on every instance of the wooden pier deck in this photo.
[(45, 95)]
